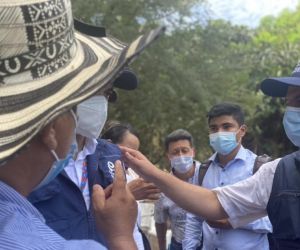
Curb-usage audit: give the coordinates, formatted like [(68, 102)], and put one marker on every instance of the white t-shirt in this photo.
[(247, 200)]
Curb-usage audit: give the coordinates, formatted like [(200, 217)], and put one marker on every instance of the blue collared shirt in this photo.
[(251, 236), (22, 227)]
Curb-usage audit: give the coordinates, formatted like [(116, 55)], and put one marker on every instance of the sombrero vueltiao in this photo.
[(46, 67)]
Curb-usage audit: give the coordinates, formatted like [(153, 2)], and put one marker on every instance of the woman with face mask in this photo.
[(124, 135)]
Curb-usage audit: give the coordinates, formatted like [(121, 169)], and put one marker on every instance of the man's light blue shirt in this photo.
[(22, 227), (251, 236)]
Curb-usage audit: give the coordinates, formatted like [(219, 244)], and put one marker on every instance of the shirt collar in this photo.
[(88, 149), (11, 196), (241, 155)]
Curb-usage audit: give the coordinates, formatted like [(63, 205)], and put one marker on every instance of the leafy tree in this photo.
[(197, 64), (274, 53)]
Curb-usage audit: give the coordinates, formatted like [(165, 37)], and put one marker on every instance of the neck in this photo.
[(224, 159), (26, 171), (80, 142), (187, 175)]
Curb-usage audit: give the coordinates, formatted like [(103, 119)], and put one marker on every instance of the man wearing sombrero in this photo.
[(46, 69), (274, 190), (70, 191)]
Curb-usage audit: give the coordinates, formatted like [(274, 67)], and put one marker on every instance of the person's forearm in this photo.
[(122, 244), (195, 199), (161, 230)]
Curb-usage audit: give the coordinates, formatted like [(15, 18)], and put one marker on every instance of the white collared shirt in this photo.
[(74, 168), (247, 200), (248, 236)]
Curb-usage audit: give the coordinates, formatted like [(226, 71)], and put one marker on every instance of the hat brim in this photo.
[(278, 87), (97, 63)]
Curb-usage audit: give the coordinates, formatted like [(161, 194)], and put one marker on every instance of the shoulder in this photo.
[(249, 154), (292, 156), (269, 168)]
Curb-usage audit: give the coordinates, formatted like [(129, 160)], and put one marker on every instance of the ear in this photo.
[(48, 136), (167, 157), (244, 129), (194, 152), (242, 132)]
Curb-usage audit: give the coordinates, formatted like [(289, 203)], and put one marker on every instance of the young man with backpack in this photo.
[(230, 163), (274, 190)]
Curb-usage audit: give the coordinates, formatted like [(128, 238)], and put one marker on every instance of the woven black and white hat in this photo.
[(46, 66)]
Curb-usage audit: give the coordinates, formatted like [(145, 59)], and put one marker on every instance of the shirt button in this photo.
[(222, 183), (223, 169), (217, 232), (216, 248)]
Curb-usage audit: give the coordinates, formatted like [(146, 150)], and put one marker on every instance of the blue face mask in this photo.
[(57, 166), (223, 142), (182, 164), (291, 124)]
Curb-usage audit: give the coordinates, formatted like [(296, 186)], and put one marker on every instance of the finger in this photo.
[(126, 149), (137, 182), (132, 152), (150, 185), (153, 191), (108, 191), (131, 158), (119, 182), (98, 197), (153, 197)]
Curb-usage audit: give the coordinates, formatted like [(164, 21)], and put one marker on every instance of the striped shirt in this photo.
[(22, 227), (165, 209)]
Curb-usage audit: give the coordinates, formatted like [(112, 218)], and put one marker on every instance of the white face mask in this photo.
[(92, 115)]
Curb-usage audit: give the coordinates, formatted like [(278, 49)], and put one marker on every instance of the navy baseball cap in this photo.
[(278, 86), (107, 154)]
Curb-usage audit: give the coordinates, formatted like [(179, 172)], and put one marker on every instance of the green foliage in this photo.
[(274, 52), (195, 66), (125, 19)]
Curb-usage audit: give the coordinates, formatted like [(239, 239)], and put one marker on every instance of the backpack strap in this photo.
[(259, 161), (202, 171)]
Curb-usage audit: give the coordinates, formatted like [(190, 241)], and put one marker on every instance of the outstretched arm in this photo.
[(197, 200)]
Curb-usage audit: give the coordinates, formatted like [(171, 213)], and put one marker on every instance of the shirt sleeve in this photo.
[(260, 226), (247, 200), (192, 233), (160, 210)]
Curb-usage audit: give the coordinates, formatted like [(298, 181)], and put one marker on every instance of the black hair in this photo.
[(179, 134), (227, 108), (115, 131)]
